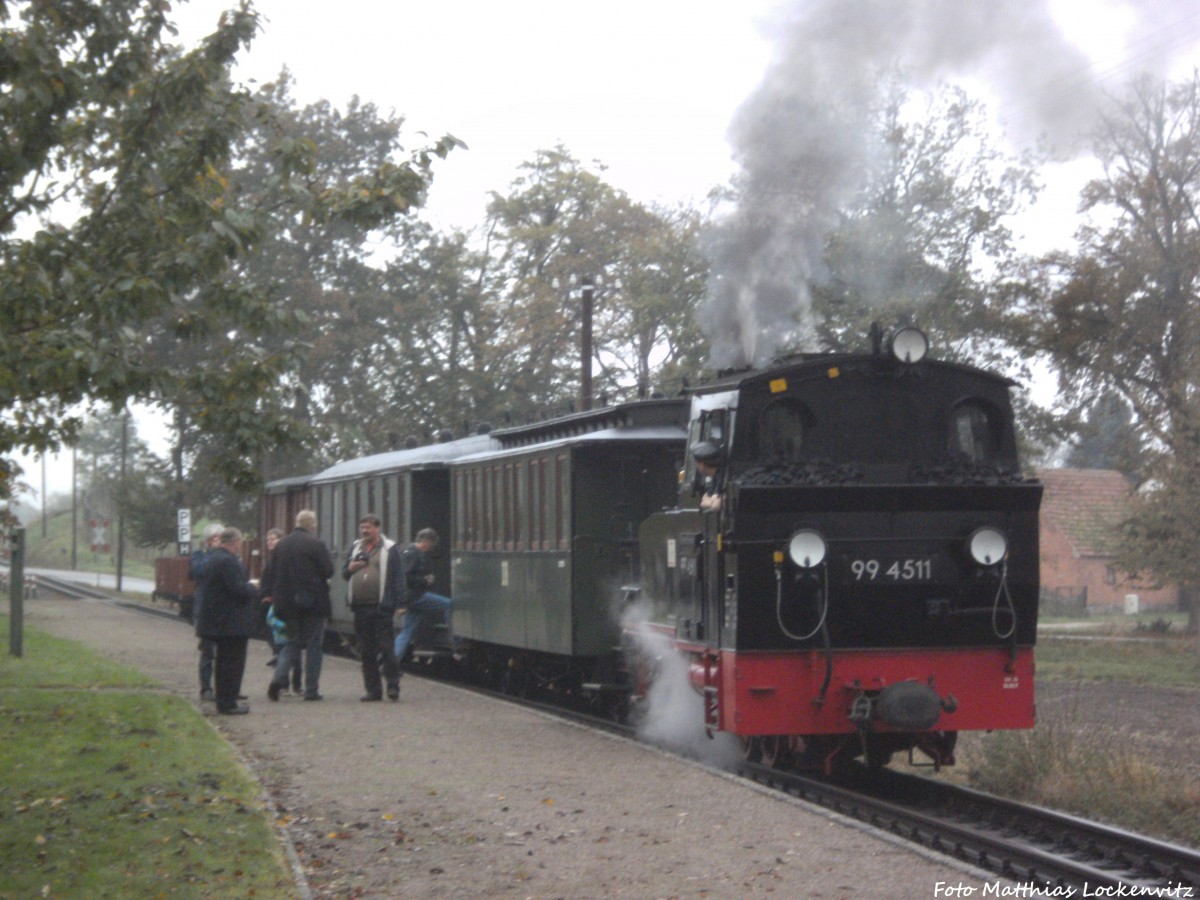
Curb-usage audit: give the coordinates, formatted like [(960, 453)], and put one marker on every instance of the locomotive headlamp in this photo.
[(909, 345), (807, 548), (988, 546)]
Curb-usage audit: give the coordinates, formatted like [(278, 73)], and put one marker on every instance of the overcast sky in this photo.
[(648, 88)]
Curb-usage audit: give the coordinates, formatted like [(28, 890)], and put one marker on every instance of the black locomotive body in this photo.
[(870, 581)]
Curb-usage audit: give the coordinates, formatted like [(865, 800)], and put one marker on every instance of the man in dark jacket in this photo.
[(300, 593), (228, 617), (208, 652), (409, 584)]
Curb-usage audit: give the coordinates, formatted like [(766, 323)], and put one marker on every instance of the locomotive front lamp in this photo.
[(807, 548), (988, 546), (909, 345)]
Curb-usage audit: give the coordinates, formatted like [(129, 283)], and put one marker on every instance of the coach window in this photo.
[(490, 508), (485, 508), (524, 526), (545, 482), (514, 508), (323, 507), (562, 512), (511, 518), (974, 432), (495, 519), (477, 516), (338, 494), (477, 524), (782, 429), (510, 499)]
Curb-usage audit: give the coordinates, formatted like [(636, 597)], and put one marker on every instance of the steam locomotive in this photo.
[(851, 570)]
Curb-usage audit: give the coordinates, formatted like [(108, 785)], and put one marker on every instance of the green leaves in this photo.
[(1121, 315), (181, 271)]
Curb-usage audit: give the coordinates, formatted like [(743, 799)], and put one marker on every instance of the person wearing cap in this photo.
[(409, 584), (708, 464)]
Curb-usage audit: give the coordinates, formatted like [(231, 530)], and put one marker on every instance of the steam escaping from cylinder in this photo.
[(805, 139), (672, 716)]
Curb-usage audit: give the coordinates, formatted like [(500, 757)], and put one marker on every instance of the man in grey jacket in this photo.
[(366, 570)]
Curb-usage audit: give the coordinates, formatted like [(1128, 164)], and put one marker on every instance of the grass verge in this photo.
[(1162, 663), (1064, 764), (109, 788), (1061, 766)]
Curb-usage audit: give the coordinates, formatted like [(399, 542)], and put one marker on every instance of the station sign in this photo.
[(184, 519)]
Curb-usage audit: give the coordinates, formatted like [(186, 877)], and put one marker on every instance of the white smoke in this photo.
[(803, 140), (672, 716)]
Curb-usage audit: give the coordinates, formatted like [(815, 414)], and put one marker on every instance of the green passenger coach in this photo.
[(545, 525)]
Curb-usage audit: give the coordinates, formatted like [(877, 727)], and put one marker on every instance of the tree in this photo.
[(409, 356), (649, 326), (561, 223), (122, 226), (325, 270), (1122, 314), (1107, 439), (120, 478), (926, 234)]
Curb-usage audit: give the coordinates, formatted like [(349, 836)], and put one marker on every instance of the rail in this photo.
[(1027, 844)]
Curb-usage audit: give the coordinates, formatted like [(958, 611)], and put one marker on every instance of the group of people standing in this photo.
[(381, 580)]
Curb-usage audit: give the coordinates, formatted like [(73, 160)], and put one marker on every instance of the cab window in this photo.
[(974, 432), (711, 427), (783, 429)]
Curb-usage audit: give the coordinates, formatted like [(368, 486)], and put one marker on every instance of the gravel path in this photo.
[(446, 794)]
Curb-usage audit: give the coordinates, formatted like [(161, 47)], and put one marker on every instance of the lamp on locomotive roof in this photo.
[(908, 344)]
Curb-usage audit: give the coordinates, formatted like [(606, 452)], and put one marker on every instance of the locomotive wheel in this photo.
[(751, 748), (876, 752), (939, 746), (773, 748)]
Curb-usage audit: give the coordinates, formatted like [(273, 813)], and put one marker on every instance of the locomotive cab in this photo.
[(869, 582)]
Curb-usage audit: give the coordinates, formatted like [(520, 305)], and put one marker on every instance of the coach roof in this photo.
[(426, 456)]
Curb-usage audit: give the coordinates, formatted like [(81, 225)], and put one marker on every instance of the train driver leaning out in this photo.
[(708, 464)]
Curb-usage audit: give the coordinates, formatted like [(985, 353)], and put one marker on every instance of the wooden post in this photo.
[(16, 593)]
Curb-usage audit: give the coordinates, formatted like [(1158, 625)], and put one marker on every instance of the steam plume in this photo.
[(804, 138), (673, 715)]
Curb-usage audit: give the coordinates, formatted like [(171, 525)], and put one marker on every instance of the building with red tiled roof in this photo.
[(1081, 513)]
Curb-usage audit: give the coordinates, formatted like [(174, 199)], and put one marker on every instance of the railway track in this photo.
[(1045, 853), (77, 591), (1051, 852)]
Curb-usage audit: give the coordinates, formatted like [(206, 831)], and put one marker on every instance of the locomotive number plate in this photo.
[(891, 570)]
